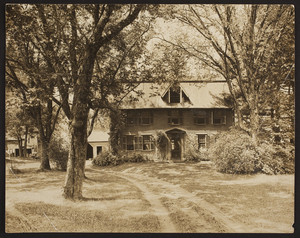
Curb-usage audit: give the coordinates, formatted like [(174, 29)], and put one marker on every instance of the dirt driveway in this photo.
[(137, 198)]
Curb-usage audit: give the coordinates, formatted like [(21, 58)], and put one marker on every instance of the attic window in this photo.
[(175, 94)]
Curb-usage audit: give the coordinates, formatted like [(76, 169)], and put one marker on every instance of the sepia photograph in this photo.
[(149, 118)]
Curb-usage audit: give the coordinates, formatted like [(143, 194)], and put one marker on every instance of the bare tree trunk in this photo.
[(254, 124), (25, 141), (78, 143), (45, 164), (76, 161), (20, 143)]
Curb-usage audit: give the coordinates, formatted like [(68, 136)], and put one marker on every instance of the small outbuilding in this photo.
[(97, 143)]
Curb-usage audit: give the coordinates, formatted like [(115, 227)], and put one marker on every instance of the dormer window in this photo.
[(175, 94)]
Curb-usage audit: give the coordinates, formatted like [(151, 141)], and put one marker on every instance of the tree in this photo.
[(83, 48), (18, 124), (27, 73), (242, 43)]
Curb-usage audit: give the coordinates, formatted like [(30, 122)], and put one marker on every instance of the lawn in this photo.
[(149, 197)]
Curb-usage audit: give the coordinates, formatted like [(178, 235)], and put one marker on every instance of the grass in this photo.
[(114, 204), (251, 203), (70, 219)]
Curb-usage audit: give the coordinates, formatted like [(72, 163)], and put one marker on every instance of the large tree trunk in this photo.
[(78, 144), (45, 164), (76, 163)]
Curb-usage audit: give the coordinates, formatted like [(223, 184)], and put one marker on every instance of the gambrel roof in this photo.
[(200, 95)]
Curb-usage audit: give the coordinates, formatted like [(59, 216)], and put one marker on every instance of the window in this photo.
[(99, 149), (219, 117), (175, 117), (145, 142), (200, 117), (202, 141), (138, 143), (128, 142), (175, 94), (141, 118), (148, 142), (131, 118), (146, 118)]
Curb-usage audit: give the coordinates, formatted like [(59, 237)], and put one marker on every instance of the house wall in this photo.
[(12, 145), (160, 123), (104, 144)]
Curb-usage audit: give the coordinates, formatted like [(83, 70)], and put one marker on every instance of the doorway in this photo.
[(176, 137), (89, 152)]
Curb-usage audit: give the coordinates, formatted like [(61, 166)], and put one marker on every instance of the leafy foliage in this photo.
[(58, 153), (252, 47), (162, 141), (109, 159), (235, 152), (192, 153)]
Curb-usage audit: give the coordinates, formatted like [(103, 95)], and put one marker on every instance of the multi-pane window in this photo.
[(144, 142), (141, 118), (131, 118), (138, 143), (148, 142), (202, 141), (146, 118), (128, 142), (175, 94), (200, 117), (219, 117), (175, 117)]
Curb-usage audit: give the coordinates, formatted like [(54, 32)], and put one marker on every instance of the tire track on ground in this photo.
[(157, 207), (166, 189)]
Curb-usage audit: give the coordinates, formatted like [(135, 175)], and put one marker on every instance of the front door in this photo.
[(176, 146)]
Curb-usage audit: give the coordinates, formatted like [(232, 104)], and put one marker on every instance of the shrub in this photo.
[(136, 158), (107, 158), (162, 142), (192, 153), (234, 152), (58, 153)]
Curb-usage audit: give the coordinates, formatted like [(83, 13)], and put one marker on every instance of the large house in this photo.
[(168, 119)]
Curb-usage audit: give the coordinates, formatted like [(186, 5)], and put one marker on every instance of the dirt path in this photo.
[(156, 206), (205, 216)]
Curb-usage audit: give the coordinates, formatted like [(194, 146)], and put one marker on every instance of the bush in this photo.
[(134, 158), (107, 158), (234, 152), (162, 142), (192, 153), (58, 153)]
